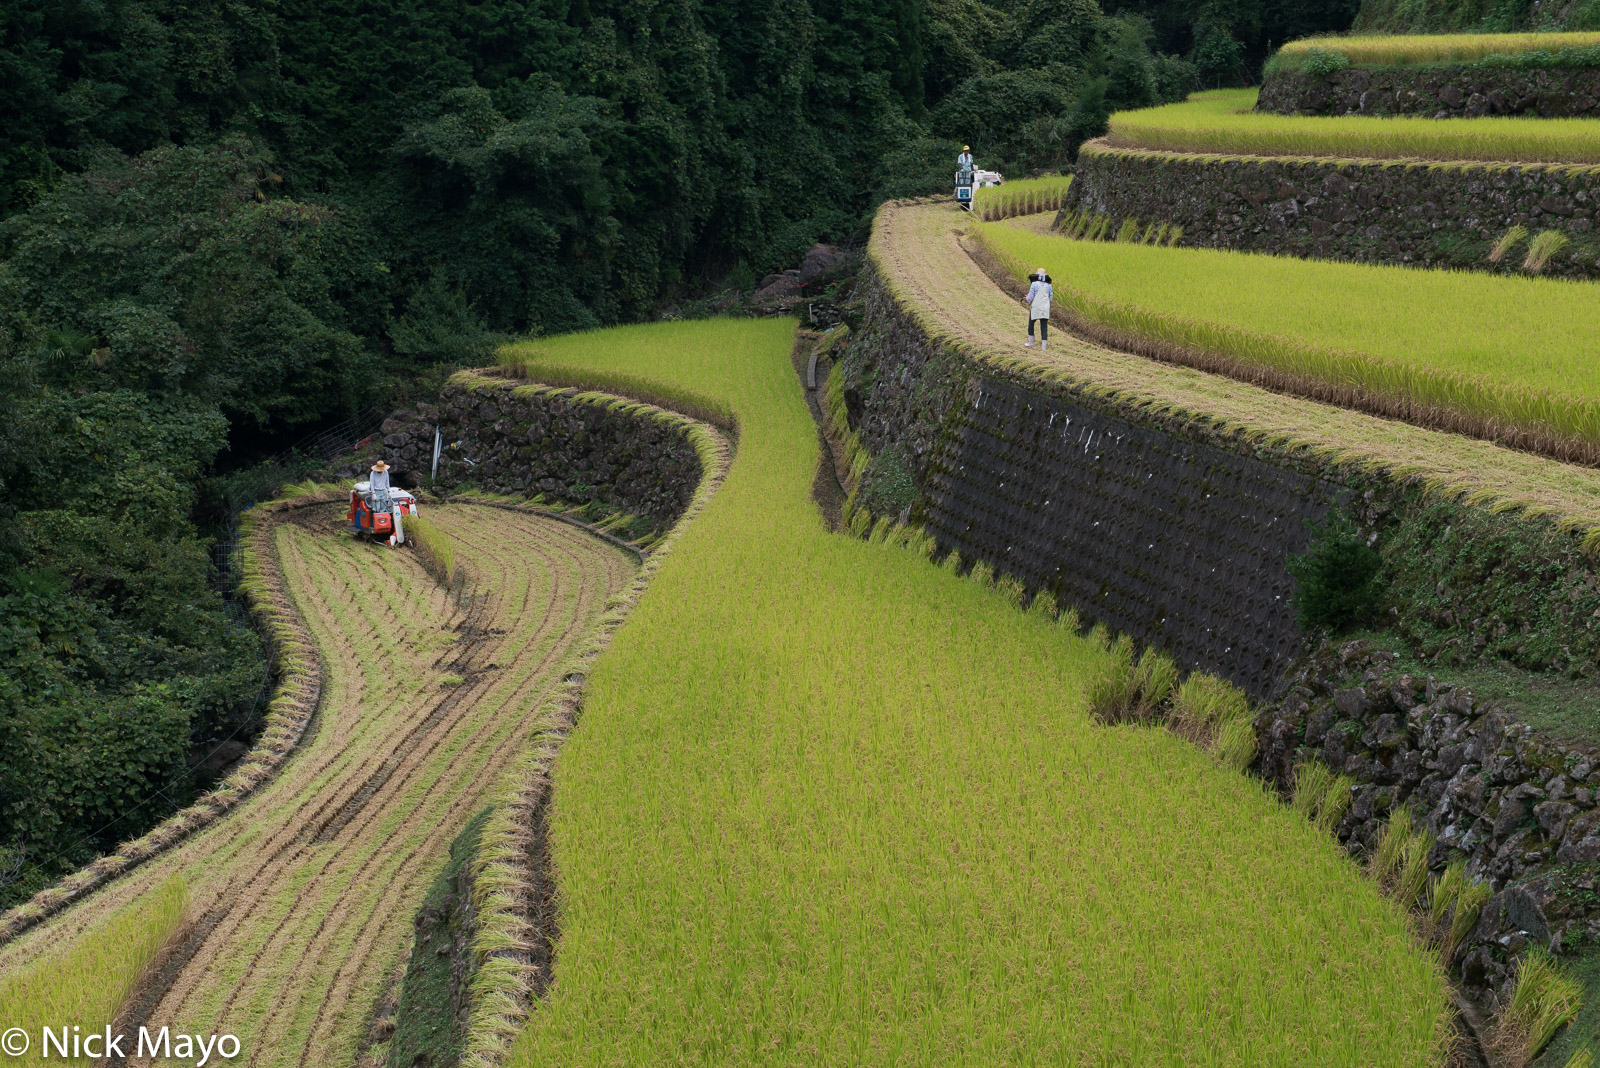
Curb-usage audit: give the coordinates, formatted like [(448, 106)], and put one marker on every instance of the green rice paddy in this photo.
[(1473, 349), (1413, 49), (830, 804), (1221, 121)]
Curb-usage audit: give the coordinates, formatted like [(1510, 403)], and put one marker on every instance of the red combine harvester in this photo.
[(367, 515)]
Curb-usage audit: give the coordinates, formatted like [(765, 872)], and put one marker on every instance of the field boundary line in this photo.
[(291, 715), (513, 883)]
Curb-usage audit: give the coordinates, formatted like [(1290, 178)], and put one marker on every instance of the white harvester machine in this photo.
[(370, 515), (969, 181)]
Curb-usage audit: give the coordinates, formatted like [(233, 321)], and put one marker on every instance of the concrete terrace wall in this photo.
[(525, 440), (1148, 525), (1398, 213), (1436, 92)]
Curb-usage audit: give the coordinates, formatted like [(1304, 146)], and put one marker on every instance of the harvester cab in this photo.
[(369, 514), (969, 181)]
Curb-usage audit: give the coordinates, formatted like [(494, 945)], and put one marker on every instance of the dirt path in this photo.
[(307, 891), (922, 249)]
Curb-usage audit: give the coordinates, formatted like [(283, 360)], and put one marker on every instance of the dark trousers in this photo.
[(1044, 328)]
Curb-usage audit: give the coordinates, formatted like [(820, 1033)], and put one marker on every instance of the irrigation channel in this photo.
[(303, 897)]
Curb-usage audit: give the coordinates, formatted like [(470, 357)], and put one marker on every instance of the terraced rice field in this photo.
[(831, 804), (1501, 357), (926, 256), (1412, 49), (302, 898), (1221, 121)]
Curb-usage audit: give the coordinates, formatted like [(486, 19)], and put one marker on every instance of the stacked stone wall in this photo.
[(1446, 215), (1436, 92), (506, 437)]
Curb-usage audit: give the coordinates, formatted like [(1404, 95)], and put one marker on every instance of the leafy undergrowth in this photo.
[(1221, 120), (87, 980), (829, 804), (1503, 358)]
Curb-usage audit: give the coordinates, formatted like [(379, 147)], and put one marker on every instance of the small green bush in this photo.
[(1324, 62), (1337, 579)]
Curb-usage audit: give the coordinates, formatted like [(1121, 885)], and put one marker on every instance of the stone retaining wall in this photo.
[(1520, 807), (1446, 215), (525, 440), (1437, 92)]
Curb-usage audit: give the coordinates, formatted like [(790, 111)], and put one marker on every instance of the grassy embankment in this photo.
[(1405, 50), (312, 883), (1221, 121), (86, 981), (831, 804), (1500, 357)]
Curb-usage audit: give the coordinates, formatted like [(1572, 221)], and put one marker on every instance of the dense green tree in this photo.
[(221, 221)]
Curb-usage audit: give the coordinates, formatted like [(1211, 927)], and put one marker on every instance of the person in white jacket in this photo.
[(1038, 302)]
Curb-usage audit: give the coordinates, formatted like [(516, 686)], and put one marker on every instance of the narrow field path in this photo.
[(922, 249), (306, 893)]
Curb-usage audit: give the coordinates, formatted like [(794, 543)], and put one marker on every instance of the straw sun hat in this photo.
[(380, 466)]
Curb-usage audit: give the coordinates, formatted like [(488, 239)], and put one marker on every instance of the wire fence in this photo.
[(324, 446)]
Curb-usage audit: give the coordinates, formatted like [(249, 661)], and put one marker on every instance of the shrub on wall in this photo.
[(1336, 580)]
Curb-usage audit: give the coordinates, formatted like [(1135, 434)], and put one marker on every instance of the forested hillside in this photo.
[(1478, 16), (223, 224)]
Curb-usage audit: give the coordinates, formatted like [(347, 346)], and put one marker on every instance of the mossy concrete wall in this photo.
[(1178, 532), (1445, 215), (1152, 526)]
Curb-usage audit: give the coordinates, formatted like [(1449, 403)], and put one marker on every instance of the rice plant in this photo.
[(1399, 50), (1508, 241), (1412, 878), (1446, 889), (1542, 248), (439, 547), (1545, 998), (1129, 231), (1222, 121), (1156, 678), (1390, 855), (1469, 903), (1321, 796), (87, 980), (828, 804), (1501, 357), (1026, 196)]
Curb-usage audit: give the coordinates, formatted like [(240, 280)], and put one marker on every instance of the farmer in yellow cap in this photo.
[(964, 166)]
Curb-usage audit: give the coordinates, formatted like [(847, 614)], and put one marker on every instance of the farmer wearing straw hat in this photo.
[(1038, 302), (378, 487)]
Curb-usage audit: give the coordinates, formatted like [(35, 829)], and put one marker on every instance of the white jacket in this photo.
[(1039, 300)]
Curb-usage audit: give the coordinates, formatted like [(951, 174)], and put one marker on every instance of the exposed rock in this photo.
[(1494, 792)]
